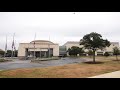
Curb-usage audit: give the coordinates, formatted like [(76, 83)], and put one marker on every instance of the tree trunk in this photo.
[(90, 56), (116, 57), (93, 56)]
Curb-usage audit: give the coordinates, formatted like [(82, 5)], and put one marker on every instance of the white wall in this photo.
[(22, 46), (107, 49)]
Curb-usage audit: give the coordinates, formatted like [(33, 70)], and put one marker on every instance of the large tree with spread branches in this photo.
[(94, 41)]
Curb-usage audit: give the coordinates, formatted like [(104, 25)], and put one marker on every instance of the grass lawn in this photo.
[(79, 70)]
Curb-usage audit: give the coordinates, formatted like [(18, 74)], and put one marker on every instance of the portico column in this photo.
[(45, 54), (40, 52)]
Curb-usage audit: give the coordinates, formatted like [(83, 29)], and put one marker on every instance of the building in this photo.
[(109, 49), (62, 51), (44, 48), (38, 48)]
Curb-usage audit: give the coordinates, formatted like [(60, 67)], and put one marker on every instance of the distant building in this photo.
[(42, 48), (1, 50), (109, 49), (62, 51)]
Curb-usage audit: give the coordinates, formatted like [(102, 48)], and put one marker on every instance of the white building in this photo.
[(109, 49), (38, 48), (43, 48)]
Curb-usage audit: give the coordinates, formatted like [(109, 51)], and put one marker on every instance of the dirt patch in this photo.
[(91, 62)]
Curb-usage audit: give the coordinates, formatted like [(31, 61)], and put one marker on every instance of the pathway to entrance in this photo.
[(28, 64), (115, 74)]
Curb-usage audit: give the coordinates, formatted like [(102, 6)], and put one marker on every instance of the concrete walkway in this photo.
[(115, 74)]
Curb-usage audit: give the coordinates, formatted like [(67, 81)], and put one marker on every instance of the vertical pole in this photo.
[(34, 50), (28, 51), (49, 46), (44, 54), (5, 48), (12, 53), (40, 49), (40, 54), (34, 46), (93, 56), (14, 48), (13, 45)]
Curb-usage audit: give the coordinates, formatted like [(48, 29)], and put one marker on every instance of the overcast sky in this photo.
[(60, 26)]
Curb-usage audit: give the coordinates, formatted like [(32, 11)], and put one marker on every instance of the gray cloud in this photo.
[(60, 26)]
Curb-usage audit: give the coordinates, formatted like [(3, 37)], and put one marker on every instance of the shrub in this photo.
[(106, 54)]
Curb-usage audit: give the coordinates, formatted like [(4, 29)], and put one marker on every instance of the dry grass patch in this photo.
[(81, 70)]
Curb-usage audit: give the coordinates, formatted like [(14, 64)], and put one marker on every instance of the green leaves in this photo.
[(116, 51), (75, 50), (94, 41), (2, 52)]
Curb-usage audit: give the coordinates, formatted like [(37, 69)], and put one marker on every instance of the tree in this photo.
[(2, 53), (15, 53), (94, 41), (81, 51), (116, 52), (106, 54), (9, 53), (90, 52), (75, 50), (69, 51)]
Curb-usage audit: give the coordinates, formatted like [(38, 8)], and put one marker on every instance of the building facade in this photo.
[(44, 48), (38, 49), (109, 49), (62, 51)]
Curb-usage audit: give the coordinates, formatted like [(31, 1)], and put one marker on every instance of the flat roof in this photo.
[(77, 42)]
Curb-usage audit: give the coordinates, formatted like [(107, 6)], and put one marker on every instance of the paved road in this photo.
[(27, 64)]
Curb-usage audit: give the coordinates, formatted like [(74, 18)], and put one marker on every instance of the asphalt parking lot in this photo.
[(15, 64)]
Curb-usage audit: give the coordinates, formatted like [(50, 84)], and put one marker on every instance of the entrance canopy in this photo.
[(37, 49)]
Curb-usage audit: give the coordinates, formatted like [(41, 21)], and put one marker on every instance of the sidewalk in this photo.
[(115, 74)]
